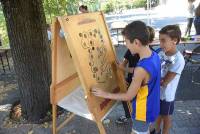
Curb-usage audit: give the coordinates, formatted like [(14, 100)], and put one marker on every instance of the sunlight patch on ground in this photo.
[(5, 107)]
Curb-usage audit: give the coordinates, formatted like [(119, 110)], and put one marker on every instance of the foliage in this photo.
[(109, 7), (54, 8), (114, 5), (93, 5), (3, 30), (72, 7), (139, 3), (119, 5)]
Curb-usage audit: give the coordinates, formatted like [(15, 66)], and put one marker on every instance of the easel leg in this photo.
[(54, 107), (6, 53), (1, 57), (101, 127), (65, 122)]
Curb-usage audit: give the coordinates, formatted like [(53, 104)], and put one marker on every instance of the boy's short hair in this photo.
[(136, 30), (151, 33), (173, 31)]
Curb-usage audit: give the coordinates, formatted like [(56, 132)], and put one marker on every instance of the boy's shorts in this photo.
[(140, 127), (166, 108)]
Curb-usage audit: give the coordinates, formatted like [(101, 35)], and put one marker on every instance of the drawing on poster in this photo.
[(93, 42)]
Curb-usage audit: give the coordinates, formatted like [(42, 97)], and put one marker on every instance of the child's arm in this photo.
[(168, 77), (122, 65), (139, 76)]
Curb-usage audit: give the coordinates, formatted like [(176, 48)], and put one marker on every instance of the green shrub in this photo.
[(139, 3), (109, 7), (3, 30), (128, 6)]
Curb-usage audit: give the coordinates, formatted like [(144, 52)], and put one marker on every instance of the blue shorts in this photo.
[(166, 108), (140, 127)]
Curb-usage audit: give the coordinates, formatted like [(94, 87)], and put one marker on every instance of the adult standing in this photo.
[(0, 40), (191, 10), (49, 34), (197, 20)]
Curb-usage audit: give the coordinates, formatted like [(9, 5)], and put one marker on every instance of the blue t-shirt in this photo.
[(146, 105)]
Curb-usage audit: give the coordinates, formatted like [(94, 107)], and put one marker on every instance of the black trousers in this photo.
[(197, 25), (124, 103), (189, 25), (126, 110)]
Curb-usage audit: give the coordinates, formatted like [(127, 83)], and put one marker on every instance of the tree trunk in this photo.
[(27, 33)]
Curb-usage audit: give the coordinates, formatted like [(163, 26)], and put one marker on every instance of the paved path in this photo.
[(186, 120)]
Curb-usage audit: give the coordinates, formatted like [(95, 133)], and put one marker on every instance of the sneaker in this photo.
[(158, 132), (122, 120), (153, 131)]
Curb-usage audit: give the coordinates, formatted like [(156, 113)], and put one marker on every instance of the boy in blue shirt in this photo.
[(131, 60), (144, 90)]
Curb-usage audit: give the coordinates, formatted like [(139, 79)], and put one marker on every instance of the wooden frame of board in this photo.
[(84, 56)]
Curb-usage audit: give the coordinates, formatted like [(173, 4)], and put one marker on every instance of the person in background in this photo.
[(83, 9), (172, 64), (131, 60), (144, 90), (151, 36), (191, 10), (49, 32), (151, 33), (0, 40), (197, 20)]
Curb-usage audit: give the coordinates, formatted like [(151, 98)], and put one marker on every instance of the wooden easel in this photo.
[(84, 57)]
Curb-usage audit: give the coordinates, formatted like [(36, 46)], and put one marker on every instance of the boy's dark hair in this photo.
[(83, 7), (151, 33), (136, 30), (173, 31)]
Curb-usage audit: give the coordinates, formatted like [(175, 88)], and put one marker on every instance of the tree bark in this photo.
[(26, 26)]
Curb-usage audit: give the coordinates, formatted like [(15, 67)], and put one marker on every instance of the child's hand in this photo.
[(130, 69), (162, 83), (99, 92), (127, 84), (118, 64)]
